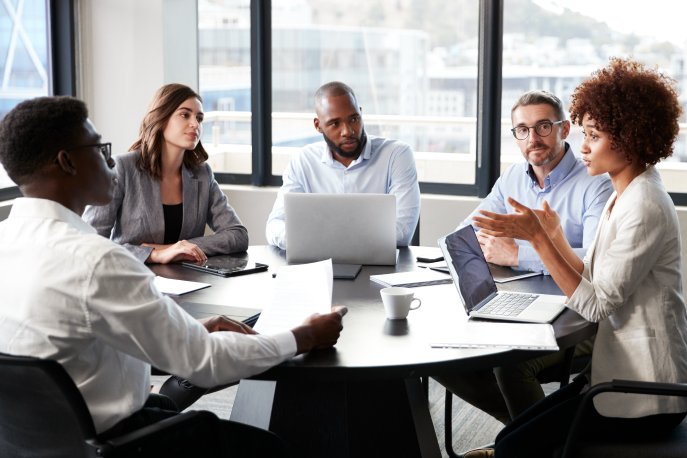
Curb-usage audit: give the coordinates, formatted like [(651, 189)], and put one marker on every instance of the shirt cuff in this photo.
[(529, 260), (286, 342), (579, 298)]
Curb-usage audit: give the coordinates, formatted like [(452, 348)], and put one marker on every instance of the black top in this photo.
[(174, 215)]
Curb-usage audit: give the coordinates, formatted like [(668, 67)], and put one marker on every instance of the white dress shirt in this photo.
[(73, 296), (383, 167), (632, 286)]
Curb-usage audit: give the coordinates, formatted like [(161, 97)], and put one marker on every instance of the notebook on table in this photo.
[(412, 279), (478, 292)]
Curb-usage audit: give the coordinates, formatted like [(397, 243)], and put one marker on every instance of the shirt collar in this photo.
[(365, 154), (28, 207), (559, 172)]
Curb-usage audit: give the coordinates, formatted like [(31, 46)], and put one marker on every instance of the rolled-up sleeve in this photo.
[(631, 255), (405, 187), (126, 311)]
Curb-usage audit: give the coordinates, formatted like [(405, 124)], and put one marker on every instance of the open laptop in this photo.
[(478, 291), (348, 228)]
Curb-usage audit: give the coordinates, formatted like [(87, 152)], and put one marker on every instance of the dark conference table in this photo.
[(363, 398)]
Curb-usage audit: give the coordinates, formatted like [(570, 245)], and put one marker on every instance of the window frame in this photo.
[(61, 61)]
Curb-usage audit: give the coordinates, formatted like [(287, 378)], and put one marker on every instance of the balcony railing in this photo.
[(435, 167)]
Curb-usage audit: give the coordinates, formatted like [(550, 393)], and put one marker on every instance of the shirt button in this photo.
[(554, 185)]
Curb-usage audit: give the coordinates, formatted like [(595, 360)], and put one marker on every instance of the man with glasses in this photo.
[(551, 173)]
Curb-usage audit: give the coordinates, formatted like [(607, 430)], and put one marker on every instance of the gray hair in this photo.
[(333, 89), (539, 97)]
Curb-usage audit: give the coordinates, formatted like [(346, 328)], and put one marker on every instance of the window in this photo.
[(23, 56), (225, 83), (555, 45), (412, 64)]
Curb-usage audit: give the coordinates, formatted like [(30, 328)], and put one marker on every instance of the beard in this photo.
[(550, 156), (337, 148)]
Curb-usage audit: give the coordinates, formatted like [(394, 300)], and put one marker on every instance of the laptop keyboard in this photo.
[(507, 304)]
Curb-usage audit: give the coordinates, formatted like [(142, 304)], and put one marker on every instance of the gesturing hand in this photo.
[(549, 220), (522, 225), (180, 251), (223, 323), (319, 331)]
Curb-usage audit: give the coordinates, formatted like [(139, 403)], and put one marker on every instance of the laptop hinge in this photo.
[(491, 296)]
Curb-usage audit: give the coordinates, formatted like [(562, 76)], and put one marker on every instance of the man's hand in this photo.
[(319, 331), (498, 250), (180, 251), (223, 323)]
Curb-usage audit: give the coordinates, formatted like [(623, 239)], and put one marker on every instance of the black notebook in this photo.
[(346, 271)]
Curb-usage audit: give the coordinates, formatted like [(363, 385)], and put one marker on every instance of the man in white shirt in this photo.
[(73, 296), (349, 161)]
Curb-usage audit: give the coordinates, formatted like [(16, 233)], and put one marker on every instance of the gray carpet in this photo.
[(471, 427)]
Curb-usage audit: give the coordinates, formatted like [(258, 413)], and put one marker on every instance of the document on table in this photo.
[(486, 334), (177, 287), (299, 292)]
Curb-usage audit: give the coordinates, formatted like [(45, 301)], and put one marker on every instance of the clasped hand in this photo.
[(525, 224)]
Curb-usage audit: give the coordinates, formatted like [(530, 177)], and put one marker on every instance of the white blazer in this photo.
[(632, 286)]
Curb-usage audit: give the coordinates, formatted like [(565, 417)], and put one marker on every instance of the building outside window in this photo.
[(23, 56)]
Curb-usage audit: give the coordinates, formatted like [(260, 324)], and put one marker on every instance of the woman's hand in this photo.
[(549, 220), (180, 251), (522, 225)]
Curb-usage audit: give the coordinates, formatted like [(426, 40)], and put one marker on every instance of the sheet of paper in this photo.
[(177, 287), (299, 292), (483, 334)]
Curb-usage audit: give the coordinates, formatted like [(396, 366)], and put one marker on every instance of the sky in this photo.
[(664, 19)]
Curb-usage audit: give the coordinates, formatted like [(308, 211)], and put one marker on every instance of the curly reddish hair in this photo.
[(637, 107)]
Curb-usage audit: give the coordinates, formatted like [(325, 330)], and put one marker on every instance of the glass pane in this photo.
[(556, 45), (224, 56), (412, 65), (23, 57)]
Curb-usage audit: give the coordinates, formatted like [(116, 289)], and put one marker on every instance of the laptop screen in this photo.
[(468, 267)]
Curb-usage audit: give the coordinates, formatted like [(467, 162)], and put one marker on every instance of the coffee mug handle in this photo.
[(419, 303)]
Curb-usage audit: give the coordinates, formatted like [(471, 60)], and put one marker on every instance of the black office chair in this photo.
[(673, 445), (556, 373), (44, 415), (415, 241)]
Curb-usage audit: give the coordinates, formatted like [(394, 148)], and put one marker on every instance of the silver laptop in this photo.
[(348, 228), (477, 289)]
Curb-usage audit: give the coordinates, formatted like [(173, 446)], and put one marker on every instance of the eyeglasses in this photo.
[(543, 129), (105, 149)]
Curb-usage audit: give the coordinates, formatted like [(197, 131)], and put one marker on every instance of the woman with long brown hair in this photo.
[(166, 192)]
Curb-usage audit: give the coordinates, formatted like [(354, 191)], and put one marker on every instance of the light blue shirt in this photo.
[(577, 197), (383, 167)]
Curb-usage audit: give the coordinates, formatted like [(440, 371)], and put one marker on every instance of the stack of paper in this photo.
[(177, 287), (485, 334), (411, 279), (300, 291)]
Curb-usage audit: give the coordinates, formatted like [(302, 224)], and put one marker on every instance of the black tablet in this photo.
[(226, 266)]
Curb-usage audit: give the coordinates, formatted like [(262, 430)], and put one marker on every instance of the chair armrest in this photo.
[(618, 386), (124, 444)]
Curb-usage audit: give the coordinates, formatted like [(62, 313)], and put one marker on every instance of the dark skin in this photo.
[(82, 177), (342, 122)]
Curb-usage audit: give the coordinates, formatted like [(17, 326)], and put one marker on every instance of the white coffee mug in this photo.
[(397, 302)]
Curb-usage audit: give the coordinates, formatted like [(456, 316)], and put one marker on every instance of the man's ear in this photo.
[(316, 122), (64, 161), (565, 128)]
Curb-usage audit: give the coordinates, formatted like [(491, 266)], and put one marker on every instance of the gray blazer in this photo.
[(135, 215)]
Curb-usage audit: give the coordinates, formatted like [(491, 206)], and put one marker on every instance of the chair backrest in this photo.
[(42, 412)]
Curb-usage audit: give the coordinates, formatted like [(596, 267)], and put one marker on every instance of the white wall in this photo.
[(128, 50)]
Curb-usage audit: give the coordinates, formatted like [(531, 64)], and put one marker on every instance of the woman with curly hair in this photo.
[(630, 281)]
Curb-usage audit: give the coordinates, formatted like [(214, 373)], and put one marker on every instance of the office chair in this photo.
[(415, 240), (556, 373), (44, 415), (673, 445)]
